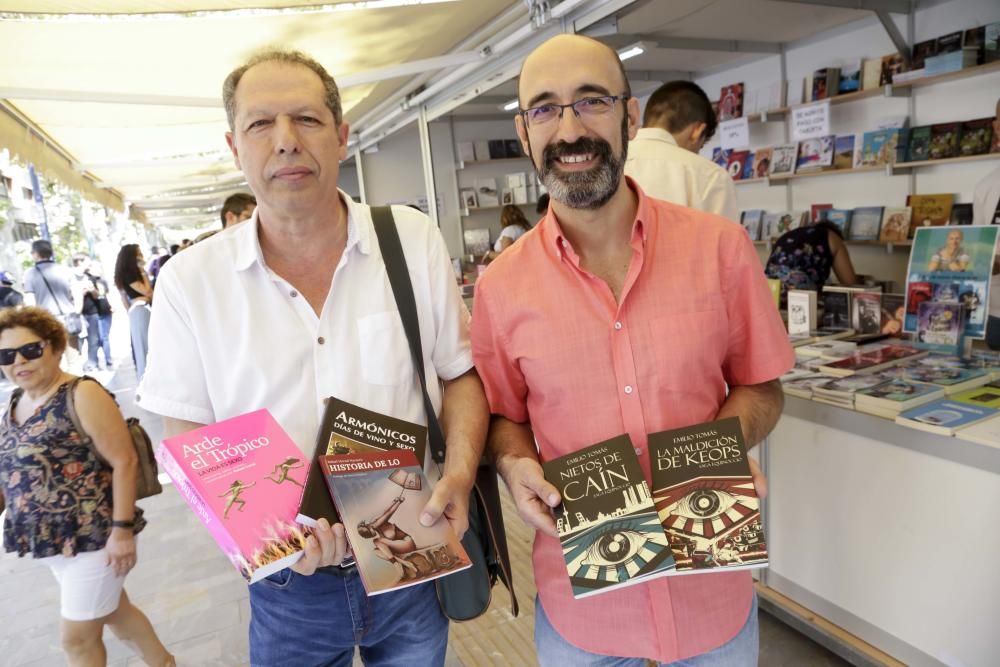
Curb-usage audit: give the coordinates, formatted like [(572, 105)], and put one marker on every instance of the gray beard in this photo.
[(588, 190)]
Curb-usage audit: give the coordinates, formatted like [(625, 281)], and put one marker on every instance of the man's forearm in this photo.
[(758, 406), (509, 441), (464, 419)]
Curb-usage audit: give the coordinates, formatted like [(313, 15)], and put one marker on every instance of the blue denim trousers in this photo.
[(554, 651), (318, 620), (98, 338)]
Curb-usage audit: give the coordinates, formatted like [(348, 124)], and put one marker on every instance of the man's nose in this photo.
[(570, 127), (286, 139)]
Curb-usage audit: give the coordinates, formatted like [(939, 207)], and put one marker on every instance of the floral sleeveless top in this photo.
[(58, 491)]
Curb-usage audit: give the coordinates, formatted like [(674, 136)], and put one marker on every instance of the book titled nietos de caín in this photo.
[(351, 429), (608, 527), (706, 498)]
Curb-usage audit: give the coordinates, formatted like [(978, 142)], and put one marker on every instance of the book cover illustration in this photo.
[(731, 102), (486, 190), (921, 51), (871, 73), (816, 211), (949, 43), (706, 499), (762, 163), (900, 391), (880, 147), (939, 325), (816, 153), (783, 159), (893, 313), (977, 136), (961, 214), (751, 221), (987, 395), (895, 224), (841, 217), (843, 152), (351, 429), (930, 210), (944, 416), (608, 526), (920, 144), (803, 386), (892, 64), (720, 156), (748, 166), (944, 140), (866, 313), (477, 241), (735, 166), (801, 311), (873, 360), (850, 78), (865, 223), (836, 310), (243, 478), (380, 497), (826, 83)]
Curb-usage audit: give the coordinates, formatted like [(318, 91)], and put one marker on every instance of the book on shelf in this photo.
[(961, 214), (944, 140), (893, 313), (865, 223), (802, 318), (839, 217), (888, 400), (842, 390), (954, 61), (720, 156), (975, 39), (988, 395), (816, 211), (706, 499), (466, 151), (608, 525), (735, 165), (803, 386), (843, 152), (882, 147), (921, 51), (825, 83), (829, 349), (871, 73), (991, 42), (920, 144), (951, 379), (481, 150), (795, 373), (866, 312), (774, 286), (748, 166), (477, 241), (783, 159), (976, 137), (512, 148), (815, 154), (751, 221), (944, 416), (869, 362), (469, 199), (949, 43), (895, 224), (836, 310), (850, 78), (940, 326), (379, 496), (731, 102), (892, 64), (243, 478), (498, 149), (762, 162), (985, 432), (487, 192), (351, 429), (929, 210)]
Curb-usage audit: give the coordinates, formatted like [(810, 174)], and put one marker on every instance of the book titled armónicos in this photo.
[(706, 498), (243, 477), (608, 526), (379, 497)]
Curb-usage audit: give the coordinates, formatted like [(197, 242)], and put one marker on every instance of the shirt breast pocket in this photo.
[(385, 356)]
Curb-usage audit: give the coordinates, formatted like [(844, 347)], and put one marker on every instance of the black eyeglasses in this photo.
[(584, 108), (29, 351)]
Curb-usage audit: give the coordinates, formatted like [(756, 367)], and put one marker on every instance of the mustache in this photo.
[(597, 147)]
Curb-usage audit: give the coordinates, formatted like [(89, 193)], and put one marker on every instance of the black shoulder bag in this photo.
[(72, 321), (466, 594)]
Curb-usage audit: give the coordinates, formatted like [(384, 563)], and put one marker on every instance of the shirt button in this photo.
[(638, 451), (618, 325), (293, 294), (320, 340), (628, 389)]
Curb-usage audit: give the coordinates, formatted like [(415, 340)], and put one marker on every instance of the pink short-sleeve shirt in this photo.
[(554, 349)]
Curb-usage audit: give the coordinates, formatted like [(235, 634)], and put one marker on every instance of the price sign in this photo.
[(811, 121), (734, 133)]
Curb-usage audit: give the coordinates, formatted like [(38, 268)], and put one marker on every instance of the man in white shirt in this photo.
[(986, 211), (663, 158), (295, 306)]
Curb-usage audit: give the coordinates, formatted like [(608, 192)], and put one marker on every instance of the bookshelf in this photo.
[(473, 163)]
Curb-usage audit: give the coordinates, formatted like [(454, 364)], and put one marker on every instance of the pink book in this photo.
[(243, 477)]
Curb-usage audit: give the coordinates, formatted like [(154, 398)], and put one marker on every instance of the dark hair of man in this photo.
[(285, 57), (127, 266), (174, 247), (543, 204), (236, 204), (42, 248), (677, 105)]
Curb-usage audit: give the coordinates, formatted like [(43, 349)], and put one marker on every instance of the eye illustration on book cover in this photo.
[(607, 524), (379, 497), (706, 498)]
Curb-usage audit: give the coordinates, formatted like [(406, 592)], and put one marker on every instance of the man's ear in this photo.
[(697, 132), (342, 134), (522, 134), (634, 118), (231, 142)]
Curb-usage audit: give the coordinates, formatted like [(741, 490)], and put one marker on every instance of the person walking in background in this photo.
[(97, 311), (71, 504), (236, 209), (663, 158), (52, 287), (514, 226), (9, 297), (137, 295)]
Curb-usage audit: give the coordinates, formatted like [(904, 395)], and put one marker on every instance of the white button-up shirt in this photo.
[(229, 336), (666, 171)]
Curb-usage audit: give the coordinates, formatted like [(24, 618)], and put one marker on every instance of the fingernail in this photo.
[(553, 499), (323, 524), (426, 520)]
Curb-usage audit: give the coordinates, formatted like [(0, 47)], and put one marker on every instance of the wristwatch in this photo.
[(130, 524)]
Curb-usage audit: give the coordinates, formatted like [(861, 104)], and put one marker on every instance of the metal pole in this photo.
[(428, 164), (361, 175)]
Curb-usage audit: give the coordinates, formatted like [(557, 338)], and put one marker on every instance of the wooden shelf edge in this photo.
[(462, 164), (949, 160)]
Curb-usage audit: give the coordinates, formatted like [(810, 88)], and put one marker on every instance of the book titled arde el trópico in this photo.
[(243, 477), (380, 497), (706, 498), (608, 527)]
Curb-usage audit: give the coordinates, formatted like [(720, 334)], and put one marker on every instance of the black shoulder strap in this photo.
[(402, 290)]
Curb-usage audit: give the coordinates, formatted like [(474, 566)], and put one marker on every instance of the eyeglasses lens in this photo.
[(29, 352)]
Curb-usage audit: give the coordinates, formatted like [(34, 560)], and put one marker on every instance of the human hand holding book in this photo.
[(326, 546), (451, 500), (534, 496)]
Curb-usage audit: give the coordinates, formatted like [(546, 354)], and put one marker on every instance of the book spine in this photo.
[(192, 497)]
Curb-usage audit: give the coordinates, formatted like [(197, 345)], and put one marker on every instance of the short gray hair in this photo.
[(287, 57)]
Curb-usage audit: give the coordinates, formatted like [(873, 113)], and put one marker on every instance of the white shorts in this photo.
[(88, 586)]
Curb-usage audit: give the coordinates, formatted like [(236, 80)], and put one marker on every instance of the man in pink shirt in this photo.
[(619, 313)]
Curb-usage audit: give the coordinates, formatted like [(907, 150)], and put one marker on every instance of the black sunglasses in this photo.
[(29, 351)]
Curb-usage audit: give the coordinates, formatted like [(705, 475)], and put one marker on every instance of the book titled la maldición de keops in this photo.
[(243, 477)]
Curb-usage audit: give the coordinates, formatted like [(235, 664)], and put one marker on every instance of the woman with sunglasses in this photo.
[(69, 503)]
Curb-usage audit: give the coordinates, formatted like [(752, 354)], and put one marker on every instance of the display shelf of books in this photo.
[(950, 160), (888, 169), (747, 181), (462, 164), (975, 70)]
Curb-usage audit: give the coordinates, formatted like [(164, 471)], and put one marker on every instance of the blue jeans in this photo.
[(554, 651), (318, 620), (98, 337)]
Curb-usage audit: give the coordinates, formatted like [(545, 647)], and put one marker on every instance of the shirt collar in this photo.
[(656, 134), (553, 236), (359, 231)]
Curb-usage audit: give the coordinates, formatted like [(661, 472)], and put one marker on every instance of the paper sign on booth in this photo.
[(735, 133), (811, 121)]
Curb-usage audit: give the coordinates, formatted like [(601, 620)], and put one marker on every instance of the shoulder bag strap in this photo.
[(54, 297), (75, 418), (402, 290)]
